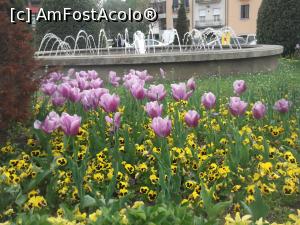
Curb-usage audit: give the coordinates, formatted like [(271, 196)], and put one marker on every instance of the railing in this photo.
[(207, 1), (208, 23)]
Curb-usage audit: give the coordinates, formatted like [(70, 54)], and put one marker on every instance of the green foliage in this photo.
[(70, 27), (182, 22), (279, 23)]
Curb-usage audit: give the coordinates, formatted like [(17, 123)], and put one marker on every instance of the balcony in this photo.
[(208, 23), (207, 1)]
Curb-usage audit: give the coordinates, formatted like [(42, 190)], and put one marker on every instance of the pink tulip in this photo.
[(191, 84), (48, 88), (162, 73), (51, 123), (138, 91), (179, 92), (161, 127), (153, 109), (92, 74), (208, 100), (129, 81), (83, 74), (83, 84), (90, 99), (96, 83), (237, 106), (64, 89), (57, 99), (282, 106), (156, 92), (71, 72), (73, 83), (74, 94), (259, 110), (113, 79), (239, 87), (143, 75), (70, 124), (110, 103), (192, 118), (55, 76), (116, 121)]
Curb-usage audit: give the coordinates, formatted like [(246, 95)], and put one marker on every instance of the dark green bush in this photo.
[(70, 27), (279, 23)]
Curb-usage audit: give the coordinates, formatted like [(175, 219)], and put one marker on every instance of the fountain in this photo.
[(201, 52)]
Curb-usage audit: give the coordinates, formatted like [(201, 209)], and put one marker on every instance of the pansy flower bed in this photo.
[(121, 151)]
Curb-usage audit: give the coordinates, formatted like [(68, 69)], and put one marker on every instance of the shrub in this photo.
[(279, 23), (16, 69)]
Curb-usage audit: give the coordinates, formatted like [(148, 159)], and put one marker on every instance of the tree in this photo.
[(279, 23), (182, 22), (16, 69), (113, 28), (70, 27)]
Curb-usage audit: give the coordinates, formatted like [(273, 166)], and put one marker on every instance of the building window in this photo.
[(245, 11), (202, 16), (176, 4), (216, 14)]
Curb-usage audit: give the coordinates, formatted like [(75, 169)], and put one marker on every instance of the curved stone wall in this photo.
[(179, 65)]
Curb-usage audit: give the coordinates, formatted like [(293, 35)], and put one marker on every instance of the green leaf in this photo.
[(259, 208), (21, 199), (88, 201), (38, 179)]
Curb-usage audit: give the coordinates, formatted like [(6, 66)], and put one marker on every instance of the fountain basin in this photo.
[(178, 65)]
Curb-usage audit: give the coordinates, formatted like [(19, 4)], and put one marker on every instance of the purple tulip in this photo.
[(82, 74), (48, 88), (179, 92), (153, 109), (70, 124), (156, 92), (90, 99), (110, 103), (259, 110), (162, 73), (82, 83), (113, 79), (51, 123), (73, 83), (74, 94), (55, 76), (96, 83), (208, 100), (282, 106), (191, 84), (138, 91), (71, 72), (133, 79), (116, 121), (64, 89), (57, 99), (92, 74), (143, 75), (161, 127), (237, 107), (192, 118), (239, 87)]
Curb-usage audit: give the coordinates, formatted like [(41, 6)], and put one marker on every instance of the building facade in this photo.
[(241, 15), (168, 14), (209, 13)]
